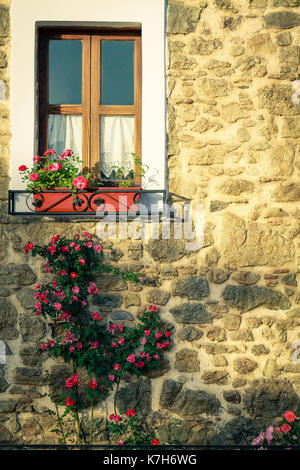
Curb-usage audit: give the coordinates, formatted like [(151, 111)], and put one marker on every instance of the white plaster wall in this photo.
[(26, 14)]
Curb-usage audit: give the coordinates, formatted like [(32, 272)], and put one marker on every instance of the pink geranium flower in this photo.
[(80, 182)]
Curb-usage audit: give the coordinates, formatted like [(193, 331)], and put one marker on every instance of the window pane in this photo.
[(65, 132), (117, 73), (65, 71), (117, 144)]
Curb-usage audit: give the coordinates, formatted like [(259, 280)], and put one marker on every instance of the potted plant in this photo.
[(58, 186)]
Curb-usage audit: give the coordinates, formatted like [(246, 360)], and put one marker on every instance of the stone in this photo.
[(238, 382), (270, 398), (167, 251), (4, 292), (242, 335), (188, 402), (29, 376), (107, 283), (5, 435), (232, 23), (32, 356), (235, 187), (191, 313), (258, 3), (121, 315), (284, 39), (131, 299), (208, 156), (136, 395), (246, 278), (232, 396), (259, 350), (217, 309), (216, 334), (287, 192), (271, 369), (277, 99), (217, 206), (202, 46), (289, 280), (217, 275), (253, 244), (232, 112), (26, 297), (219, 361), (4, 22), (282, 19), (190, 333), (192, 287), (182, 19), (290, 55), (108, 301), (290, 127), (32, 329), (3, 385), (245, 298), (240, 431), (168, 272), (218, 377), (261, 43), (215, 348), (187, 361), (214, 87), (286, 3), (275, 165), (157, 297), (232, 321), (244, 365), (8, 320)]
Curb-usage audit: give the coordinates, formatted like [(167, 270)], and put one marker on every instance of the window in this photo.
[(89, 97)]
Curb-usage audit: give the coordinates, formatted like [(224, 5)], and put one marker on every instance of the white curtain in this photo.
[(117, 143), (65, 132)]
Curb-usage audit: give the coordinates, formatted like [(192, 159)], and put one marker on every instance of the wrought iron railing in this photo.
[(89, 204)]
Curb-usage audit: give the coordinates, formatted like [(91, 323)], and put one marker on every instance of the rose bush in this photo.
[(105, 350), (286, 432)]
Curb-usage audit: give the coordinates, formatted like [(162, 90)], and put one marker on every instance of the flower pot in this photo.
[(103, 199)]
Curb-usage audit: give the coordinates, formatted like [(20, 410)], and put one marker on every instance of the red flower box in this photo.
[(109, 200)]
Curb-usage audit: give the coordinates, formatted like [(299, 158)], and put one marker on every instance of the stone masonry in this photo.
[(233, 305)]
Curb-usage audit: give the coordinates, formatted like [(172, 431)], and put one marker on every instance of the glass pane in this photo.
[(117, 144), (65, 71), (65, 132), (117, 73)]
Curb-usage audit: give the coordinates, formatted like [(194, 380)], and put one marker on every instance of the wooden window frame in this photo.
[(90, 108)]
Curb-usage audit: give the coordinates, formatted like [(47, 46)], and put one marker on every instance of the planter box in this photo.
[(104, 199)]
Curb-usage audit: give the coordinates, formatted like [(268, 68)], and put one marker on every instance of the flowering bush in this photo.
[(51, 171), (104, 349), (286, 432), (129, 429)]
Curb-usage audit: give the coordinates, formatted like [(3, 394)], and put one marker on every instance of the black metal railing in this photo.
[(89, 204)]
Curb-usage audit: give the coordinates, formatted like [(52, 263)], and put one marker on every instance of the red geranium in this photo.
[(22, 167), (130, 412), (289, 416)]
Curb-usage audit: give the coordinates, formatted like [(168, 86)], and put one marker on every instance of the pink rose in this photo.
[(130, 358), (49, 152), (81, 261), (75, 290), (33, 176), (36, 158)]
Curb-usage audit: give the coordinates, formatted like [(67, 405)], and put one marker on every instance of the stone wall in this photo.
[(233, 306)]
